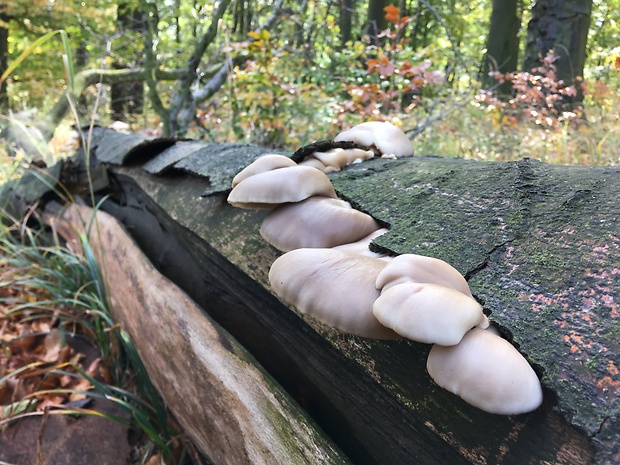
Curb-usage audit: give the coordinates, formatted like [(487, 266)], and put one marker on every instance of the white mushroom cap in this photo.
[(267, 162), (315, 222), (428, 313), (336, 159), (386, 137), (362, 246), (334, 287), (487, 372), (421, 269), (314, 163), (268, 189)]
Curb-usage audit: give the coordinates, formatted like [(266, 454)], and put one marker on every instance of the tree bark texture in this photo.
[(537, 243), (346, 20), (128, 97), (224, 401), (502, 43), (561, 26), (376, 18)]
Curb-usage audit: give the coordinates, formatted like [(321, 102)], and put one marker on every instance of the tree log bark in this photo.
[(537, 243)]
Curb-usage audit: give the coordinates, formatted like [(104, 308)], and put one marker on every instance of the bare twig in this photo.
[(40, 437), (182, 101)]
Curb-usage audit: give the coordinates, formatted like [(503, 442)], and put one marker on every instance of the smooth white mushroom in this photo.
[(314, 163), (336, 159), (487, 372), (362, 246), (421, 269), (268, 189), (428, 313), (334, 287), (386, 137), (315, 222), (265, 163)]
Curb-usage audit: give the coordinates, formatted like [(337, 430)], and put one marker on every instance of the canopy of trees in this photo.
[(283, 72)]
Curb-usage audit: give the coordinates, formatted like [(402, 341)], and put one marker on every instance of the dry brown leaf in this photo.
[(155, 460)]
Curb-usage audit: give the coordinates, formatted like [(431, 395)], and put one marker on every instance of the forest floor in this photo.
[(41, 436)]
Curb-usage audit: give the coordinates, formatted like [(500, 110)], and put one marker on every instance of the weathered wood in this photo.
[(393, 412), (225, 402), (538, 244), (505, 226)]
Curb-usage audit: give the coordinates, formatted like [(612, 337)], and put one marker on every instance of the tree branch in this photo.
[(182, 97), (87, 78), (218, 79), (150, 64)]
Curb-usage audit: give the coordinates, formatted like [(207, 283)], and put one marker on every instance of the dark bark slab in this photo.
[(119, 149), (407, 413)]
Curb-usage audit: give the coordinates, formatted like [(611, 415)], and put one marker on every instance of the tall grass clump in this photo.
[(50, 297)]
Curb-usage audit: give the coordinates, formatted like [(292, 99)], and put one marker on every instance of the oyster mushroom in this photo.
[(362, 246), (336, 159), (315, 222), (268, 189), (487, 372), (421, 269), (262, 164), (385, 137), (428, 313), (334, 287)]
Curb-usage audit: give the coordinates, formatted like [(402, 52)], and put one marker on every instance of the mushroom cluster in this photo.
[(378, 138), (409, 296)]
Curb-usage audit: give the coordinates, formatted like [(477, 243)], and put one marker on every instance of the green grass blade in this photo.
[(26, 53)]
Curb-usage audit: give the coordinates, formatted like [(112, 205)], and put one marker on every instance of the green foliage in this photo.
[(299, 82)]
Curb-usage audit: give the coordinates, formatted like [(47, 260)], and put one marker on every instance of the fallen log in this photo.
[(537, 243), (233, 411)]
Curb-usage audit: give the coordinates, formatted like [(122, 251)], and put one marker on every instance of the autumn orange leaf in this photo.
[(392, 14), (382, 64)]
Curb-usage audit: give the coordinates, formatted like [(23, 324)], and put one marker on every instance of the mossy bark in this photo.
[(498, 240)]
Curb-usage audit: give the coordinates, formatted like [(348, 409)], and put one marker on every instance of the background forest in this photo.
[(470, 79)]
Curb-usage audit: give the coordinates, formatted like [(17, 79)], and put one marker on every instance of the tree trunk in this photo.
[(4, 56), (182, 108), (376, 18), (561, 26), (346, 18), (502, 43), (128, 98), (242, 19), (537, 243)]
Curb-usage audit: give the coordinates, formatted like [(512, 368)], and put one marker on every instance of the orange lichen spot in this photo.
[(612, 368), (607, 383)]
